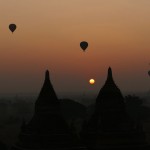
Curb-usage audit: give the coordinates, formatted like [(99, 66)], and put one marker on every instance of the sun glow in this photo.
[(92, 81)]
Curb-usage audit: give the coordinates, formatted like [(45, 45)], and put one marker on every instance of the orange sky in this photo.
[(48, 36)]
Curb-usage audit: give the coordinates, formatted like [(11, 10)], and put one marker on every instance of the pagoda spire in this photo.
[(110, 91), (47, 76), (47, 96), (109, 72), (109, 76), (47, 90), (47, 129)]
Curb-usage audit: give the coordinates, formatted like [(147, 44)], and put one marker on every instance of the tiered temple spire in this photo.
[(110, 125), (47, 129)]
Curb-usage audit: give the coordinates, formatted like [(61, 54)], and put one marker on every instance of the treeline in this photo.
[(14, 111)]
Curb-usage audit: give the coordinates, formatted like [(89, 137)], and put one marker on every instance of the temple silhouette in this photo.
[(110, 127), (47, 129)]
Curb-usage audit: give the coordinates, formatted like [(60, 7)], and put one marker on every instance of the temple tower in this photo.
[(110, 127), (47, 130)]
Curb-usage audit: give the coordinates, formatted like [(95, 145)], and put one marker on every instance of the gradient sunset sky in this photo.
[(48, 36)]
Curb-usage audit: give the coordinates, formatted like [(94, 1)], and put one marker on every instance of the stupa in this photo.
[(47, 130), (110, 127)]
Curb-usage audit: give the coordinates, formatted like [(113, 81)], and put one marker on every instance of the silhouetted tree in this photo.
[(135, 107)]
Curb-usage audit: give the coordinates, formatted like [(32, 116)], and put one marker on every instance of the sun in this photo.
[(92, 81)]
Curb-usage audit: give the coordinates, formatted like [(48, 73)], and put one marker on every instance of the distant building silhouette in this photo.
[(47, 130), (110, 126)]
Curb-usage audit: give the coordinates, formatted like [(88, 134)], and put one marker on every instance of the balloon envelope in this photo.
[(12, 27), (84, 45), (149, 72)]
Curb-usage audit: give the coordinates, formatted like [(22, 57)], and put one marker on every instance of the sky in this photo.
[(48, 36)]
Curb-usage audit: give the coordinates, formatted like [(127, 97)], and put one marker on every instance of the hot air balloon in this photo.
[(12, 27), (149, 72), (84, 45)]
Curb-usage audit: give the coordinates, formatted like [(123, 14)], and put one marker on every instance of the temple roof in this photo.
[(109, 77), (47, 116), (110, 93), (47, 129), (47, 94)]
